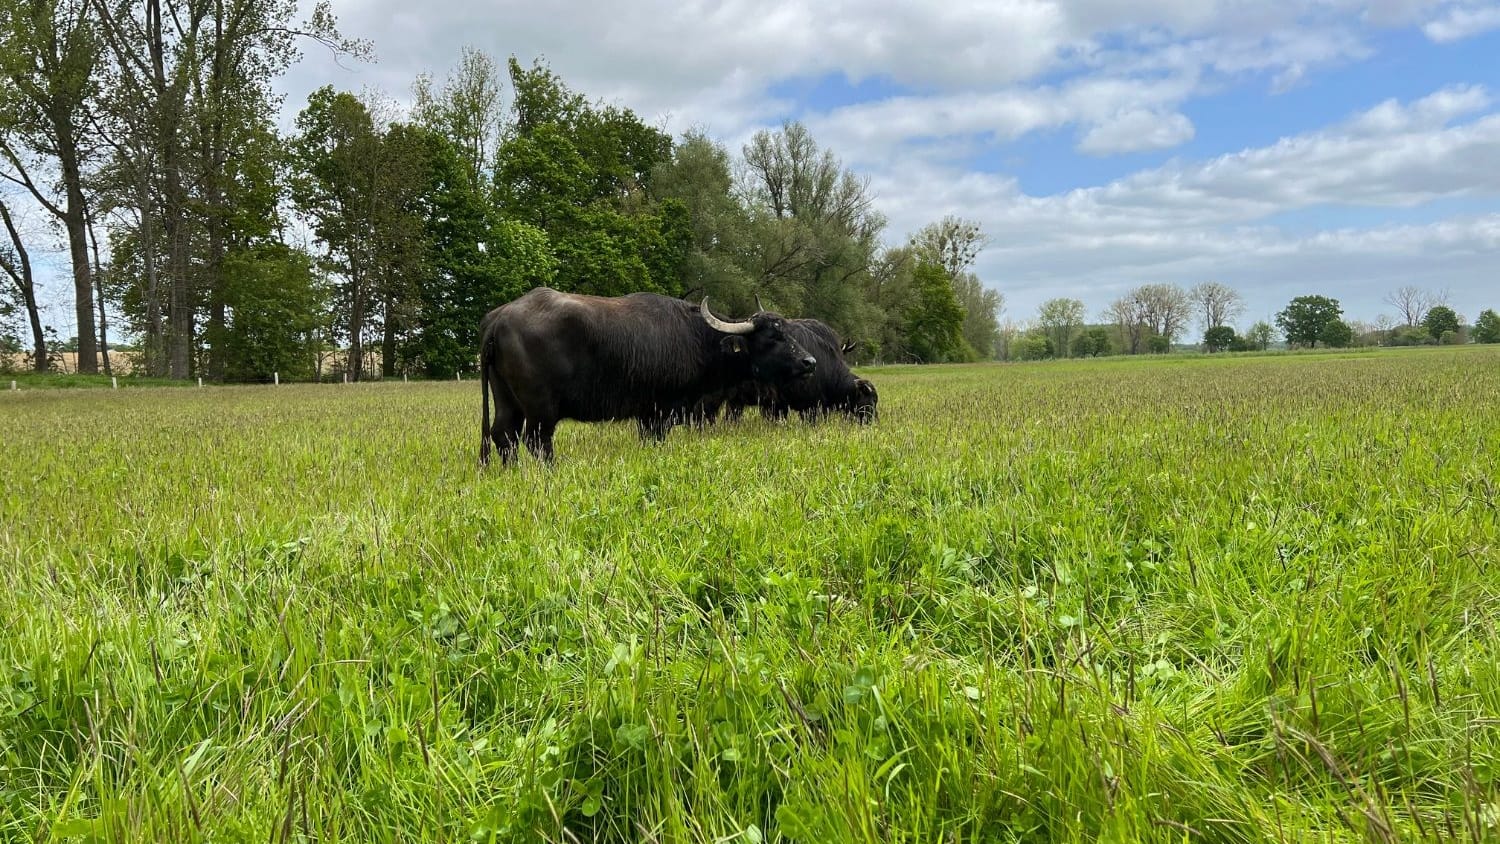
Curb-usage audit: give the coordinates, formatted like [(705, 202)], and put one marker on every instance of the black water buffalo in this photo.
[(831, 389), (549, 356)]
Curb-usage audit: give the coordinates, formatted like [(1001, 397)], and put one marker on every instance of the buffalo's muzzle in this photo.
[(809, 363)]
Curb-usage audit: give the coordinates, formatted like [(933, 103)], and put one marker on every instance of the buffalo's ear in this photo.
[(733, 345)]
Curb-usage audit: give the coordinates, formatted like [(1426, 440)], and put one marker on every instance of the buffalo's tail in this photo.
[(485, 346)]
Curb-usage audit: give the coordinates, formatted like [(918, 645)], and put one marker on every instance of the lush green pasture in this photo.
[(1188, 599)]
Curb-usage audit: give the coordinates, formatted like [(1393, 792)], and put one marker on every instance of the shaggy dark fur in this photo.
[(549, 356)]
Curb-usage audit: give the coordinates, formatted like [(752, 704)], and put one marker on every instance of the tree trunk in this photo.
[(354, 364), (26, 283), (388, 341), (78, 249), (98, 269)]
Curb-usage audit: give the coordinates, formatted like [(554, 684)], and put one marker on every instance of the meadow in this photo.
[(1181, 599)]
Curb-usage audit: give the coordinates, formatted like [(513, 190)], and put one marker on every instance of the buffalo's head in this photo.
[(774, 356), (863, 400)]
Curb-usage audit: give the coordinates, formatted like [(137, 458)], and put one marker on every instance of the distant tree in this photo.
[(1060, 318), (953, 242), (1411, 336), (1336, 334), (1306, 318), (982, 307), (1091, 343), (1260, 335), (274, 301), (1413, 303), (1101, 343), (1487, 327), (1033, 346), (1217, 304), (1159, 344), (720, 262), (467, 110), (1440, 319), (935, 322), (1164, 308), (1218, 338), (1125, 313)]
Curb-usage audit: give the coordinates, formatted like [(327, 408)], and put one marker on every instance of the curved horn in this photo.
[(758, 306), (720, 325)]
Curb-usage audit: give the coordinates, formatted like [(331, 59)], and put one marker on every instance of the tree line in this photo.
[(371, 239), (1157, 318)]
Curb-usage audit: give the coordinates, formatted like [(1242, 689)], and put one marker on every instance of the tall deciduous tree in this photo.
[(1125, 313), (361, 186), (934, 326), (1164, 308), (468, 110), (1307, 319), (719, 261), (1060, 318), (1217, 304), (49, 51), (190, 94), (953, 242), (1413, 303), (817, 227), (982, 307), (582, 174), (1439, 320), (1487, 327)]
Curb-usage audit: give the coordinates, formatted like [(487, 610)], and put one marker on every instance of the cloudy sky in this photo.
[(1284, 147), (1288, 147)]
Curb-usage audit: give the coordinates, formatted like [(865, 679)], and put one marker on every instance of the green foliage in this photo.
[(1260, 335), (1412, 336), (583, 175), (1336, 334), (1060, 318), (1487, 327), (1306, 320), (476, 261), (1033, 346), (274, 302), (718, 255), (1219, 338), (1092, 342), (934, 325), (1008, 611), (1440, 320), (1159, 344)]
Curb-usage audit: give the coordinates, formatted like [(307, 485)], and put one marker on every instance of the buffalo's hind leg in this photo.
[(538, 438), (505, 431)]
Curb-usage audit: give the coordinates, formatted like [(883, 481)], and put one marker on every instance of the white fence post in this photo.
[(13, 385), (276, 379), (114, 383), (403, 377), (346, 377), (200, 380)]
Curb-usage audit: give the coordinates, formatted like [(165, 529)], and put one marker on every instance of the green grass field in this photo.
[(1181, 599)]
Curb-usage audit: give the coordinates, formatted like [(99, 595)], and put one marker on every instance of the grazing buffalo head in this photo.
[(774, 355), (862, 403)]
